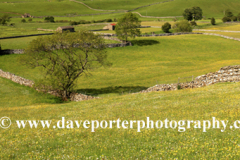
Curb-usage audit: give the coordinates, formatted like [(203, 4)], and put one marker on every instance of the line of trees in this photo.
[(229, 16), (92, 21)]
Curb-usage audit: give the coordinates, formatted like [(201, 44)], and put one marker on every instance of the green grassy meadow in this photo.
[(150, 61), (220, 101), (213, 8), (47, 8)]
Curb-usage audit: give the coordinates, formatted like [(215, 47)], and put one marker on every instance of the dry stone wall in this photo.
[(20, 80), (12, 51), (225, 74), (219, 35)]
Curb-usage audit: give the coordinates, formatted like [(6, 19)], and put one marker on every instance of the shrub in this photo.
[(73, 23), (193, 23), (30, 20), (213, 22), (238, 17), (183, 26), (4, 19), (179, 87), (115, 19), (49, 19), (166, 27), (226, 19), (12, 24), (93, 21), (108, 20), (23, 20), (228, 13), (234, 18)]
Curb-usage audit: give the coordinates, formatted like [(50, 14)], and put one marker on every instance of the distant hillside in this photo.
[(159, 8), (211, 8)]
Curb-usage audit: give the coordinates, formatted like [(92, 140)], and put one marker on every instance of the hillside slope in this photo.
[(213, 8), (220, 101)]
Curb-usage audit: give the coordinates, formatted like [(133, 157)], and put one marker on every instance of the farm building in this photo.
[(27, 15), (110, 26), (65, 28)]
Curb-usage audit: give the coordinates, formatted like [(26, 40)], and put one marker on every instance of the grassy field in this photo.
[(22, 43), (220, 101), (31, 28), (47, 8), (149, 61), (22, 95), (118, 5), (213, 8)]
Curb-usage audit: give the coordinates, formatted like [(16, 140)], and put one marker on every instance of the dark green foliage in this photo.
[(226, 19), (30, 20), (12, 24), (213, 22), (179, 87), (103, 20), (183, 26), (228, 13), (115, 19), (23, 21), (238, 16), (49, 19), (4, 19), (194, 13), (166, 27), (234, 18), (193, 23), (187, 14), (197, 13), (127, 26), (73, 23), (109, 20), (64, 57)]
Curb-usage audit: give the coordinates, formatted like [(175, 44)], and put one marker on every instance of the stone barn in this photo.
[(110, 26), (65, 28), (27, 15)]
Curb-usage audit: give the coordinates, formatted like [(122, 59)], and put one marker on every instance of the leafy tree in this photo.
[(49, 19), (238, 16), (127, 26), (228, 13), (194, 13), (193, 23), (23, 20), (166, 27), (197, 13), (187, 14), (4, 19), (234, 18), (64, 57), (226, 19), (213, 22), (183, 26)]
